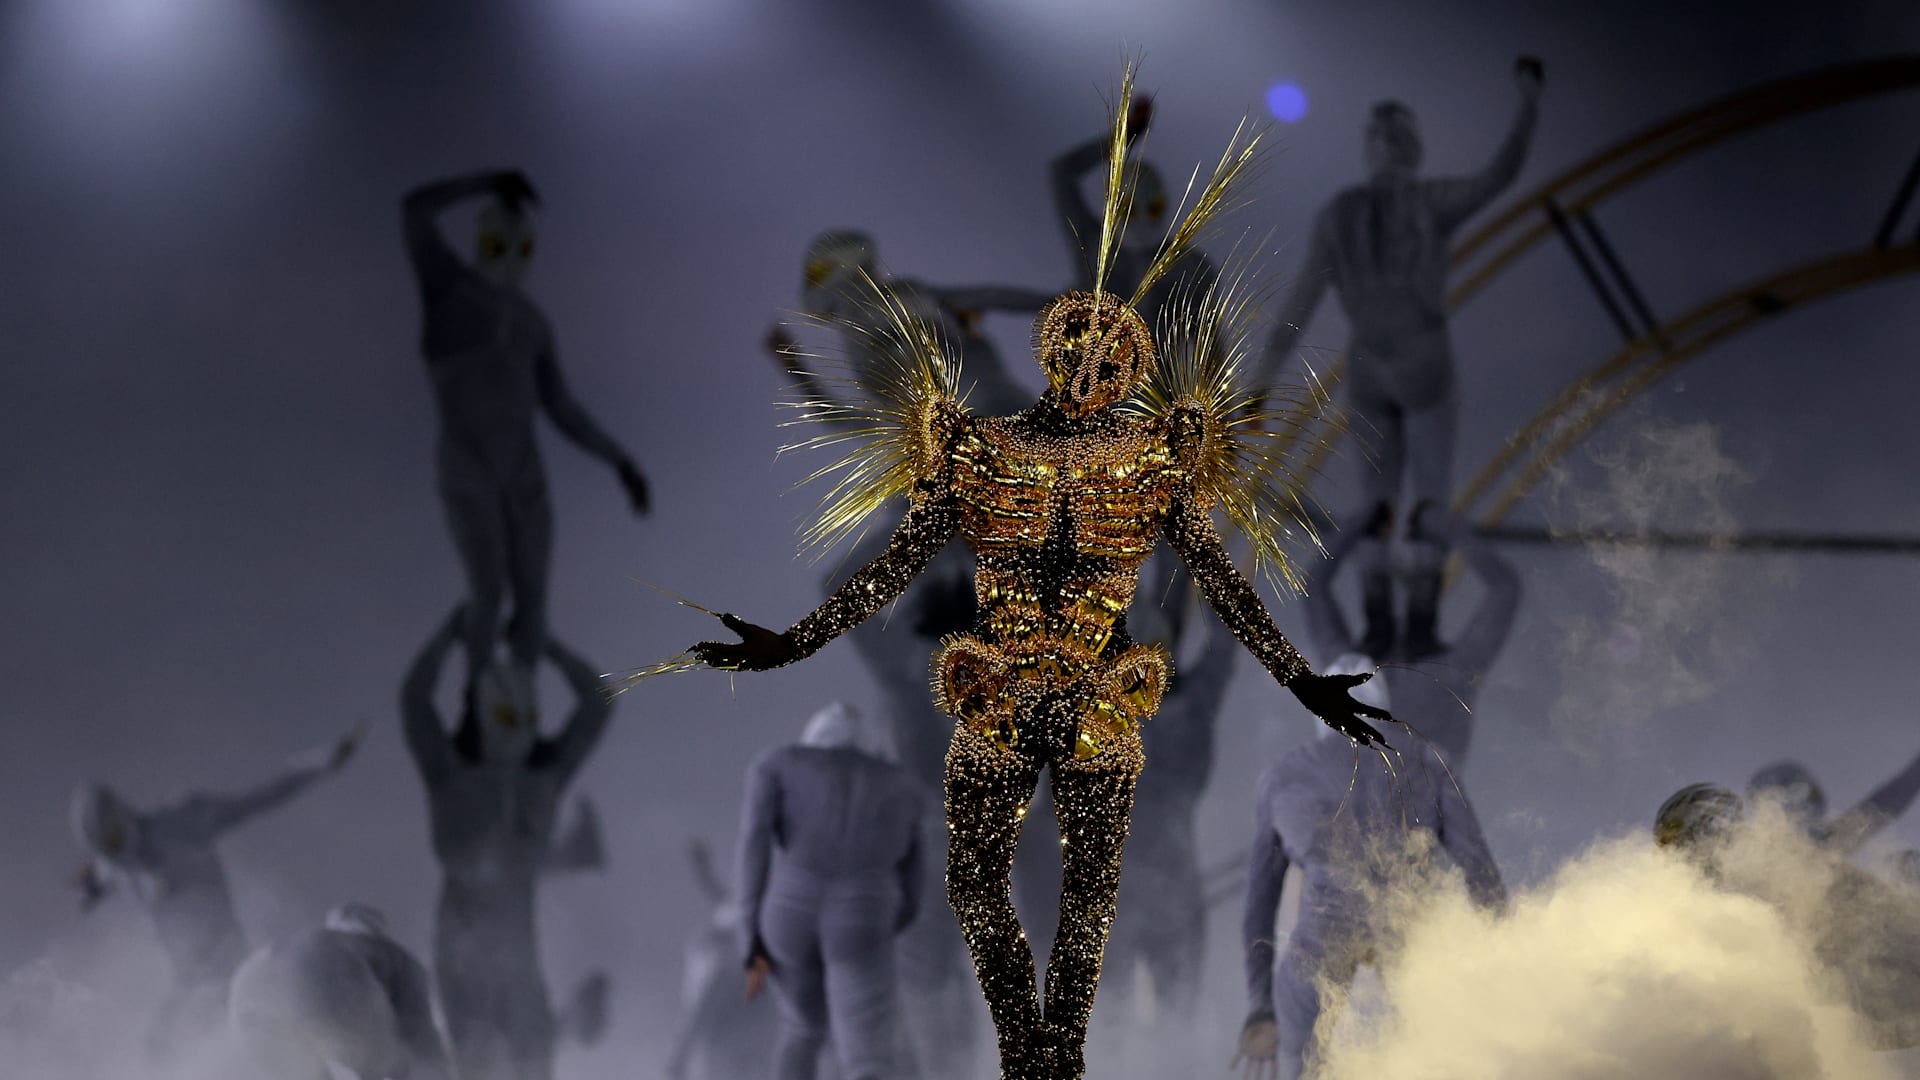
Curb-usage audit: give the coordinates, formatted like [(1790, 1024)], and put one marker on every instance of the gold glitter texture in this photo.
[(1062, 503)]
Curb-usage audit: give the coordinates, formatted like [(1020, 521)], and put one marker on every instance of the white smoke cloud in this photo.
[(1662, 640), (1627, 963)]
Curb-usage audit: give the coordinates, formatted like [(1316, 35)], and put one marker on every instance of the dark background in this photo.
[(219, 542)]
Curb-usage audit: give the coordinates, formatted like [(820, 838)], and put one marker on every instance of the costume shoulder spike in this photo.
[(887, 402), (1245, 449)]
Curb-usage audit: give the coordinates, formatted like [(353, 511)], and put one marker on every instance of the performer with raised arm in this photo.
[(490, 353), (494, 788), (845, 288), (1382, 245), (169, 860), (1143, 209), (1793, 784), (1061, 504)]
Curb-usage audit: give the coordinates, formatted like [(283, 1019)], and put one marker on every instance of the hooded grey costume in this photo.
[(490, 353), (830, 871), (1354, 827), (169, 859), (493, 794), (1383, 247), (345, 994)]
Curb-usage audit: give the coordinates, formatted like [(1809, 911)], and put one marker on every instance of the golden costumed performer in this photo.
[(1061, 504)]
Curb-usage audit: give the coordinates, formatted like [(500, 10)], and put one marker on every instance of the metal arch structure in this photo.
[(1570, 198), (1655, 348), (1601, 392)]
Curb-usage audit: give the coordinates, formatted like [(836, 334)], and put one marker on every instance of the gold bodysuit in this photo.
[(1061, 503)]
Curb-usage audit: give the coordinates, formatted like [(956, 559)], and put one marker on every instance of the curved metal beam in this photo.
[(1627, 162), (1589, 400)]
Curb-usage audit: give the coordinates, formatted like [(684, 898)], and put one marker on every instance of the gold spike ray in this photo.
[(1255, 450), (876, 402), (1118, 180)]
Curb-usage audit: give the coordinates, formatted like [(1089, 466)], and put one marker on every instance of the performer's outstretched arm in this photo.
[(215, 814), (427, 740), (1845, 834), (1189, 528), (591, 711), (931, 520), (1455, 199), (1303, 296), (582, 430)]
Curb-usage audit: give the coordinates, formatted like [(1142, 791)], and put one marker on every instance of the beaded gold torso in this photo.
[(1060, 513)]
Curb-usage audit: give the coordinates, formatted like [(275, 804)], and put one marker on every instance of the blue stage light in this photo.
[(1287, 102)]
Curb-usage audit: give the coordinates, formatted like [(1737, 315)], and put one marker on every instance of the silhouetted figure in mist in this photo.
[(1794, 786), (494, 789), (830, 872), (1382, 245), (1358, 827), (344, 994), (168, 858), (1860, 927), (491, 356)]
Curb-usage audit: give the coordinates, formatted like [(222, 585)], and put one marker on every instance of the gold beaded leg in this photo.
[(987, 794), (1092, 801)]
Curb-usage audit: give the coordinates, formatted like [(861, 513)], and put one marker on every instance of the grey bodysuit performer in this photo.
[(490, 354), (829, 874), (1382, 245), (169, 859), (493, 795)]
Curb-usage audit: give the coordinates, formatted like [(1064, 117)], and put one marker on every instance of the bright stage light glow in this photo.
[(1287, 102)]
